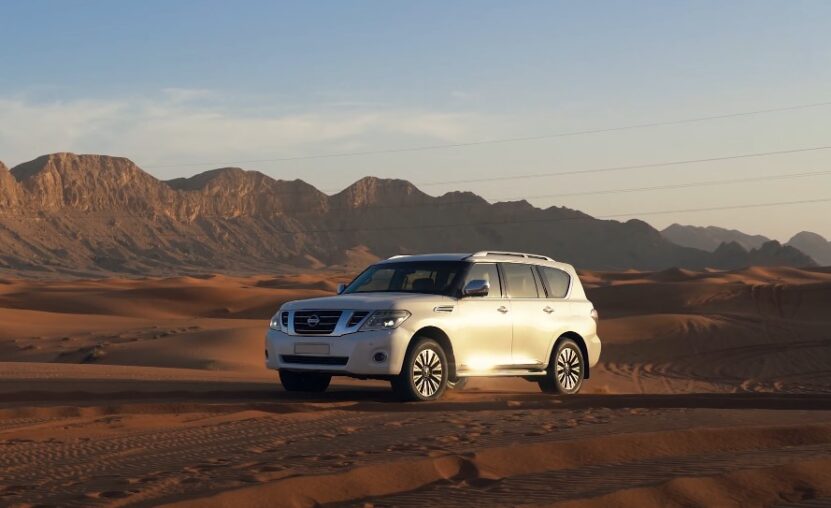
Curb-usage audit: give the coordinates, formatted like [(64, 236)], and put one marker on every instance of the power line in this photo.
[(685, 185), (581, 216), (502, 199), (606, 169), (719, 208), (630, 167), (560, 219), (503, 140), (705, 183), (609, 169)]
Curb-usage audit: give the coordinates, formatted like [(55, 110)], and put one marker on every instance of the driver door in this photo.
[(483, 329)]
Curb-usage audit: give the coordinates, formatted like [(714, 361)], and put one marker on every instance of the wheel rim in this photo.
[(568, 368), (428, 373)]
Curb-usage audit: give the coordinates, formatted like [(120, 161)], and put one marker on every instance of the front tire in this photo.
[(566, 370), (304, 381), (424, 373)]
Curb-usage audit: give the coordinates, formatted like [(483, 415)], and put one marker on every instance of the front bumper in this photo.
[(284, 351)]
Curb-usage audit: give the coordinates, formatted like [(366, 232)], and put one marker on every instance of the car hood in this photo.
[(367, 301)]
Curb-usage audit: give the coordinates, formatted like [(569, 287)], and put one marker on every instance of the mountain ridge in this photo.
[(95, 214), (814, 245), (709, 238)]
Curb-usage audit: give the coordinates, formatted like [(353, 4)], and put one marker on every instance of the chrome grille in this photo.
[(316, 322), (357, 317)]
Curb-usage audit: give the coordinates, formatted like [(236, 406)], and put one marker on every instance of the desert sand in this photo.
[(713, 391)]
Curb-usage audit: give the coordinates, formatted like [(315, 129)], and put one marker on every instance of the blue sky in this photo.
[(185, 86)]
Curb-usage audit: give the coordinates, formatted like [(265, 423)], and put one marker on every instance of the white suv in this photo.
[(425, 322)]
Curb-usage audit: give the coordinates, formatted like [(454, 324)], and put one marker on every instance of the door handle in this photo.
[(502, 309), (547, 309)]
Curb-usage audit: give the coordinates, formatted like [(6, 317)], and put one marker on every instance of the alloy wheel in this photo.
[(568, 368), (428, 372)]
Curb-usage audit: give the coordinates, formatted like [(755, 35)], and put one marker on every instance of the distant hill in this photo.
[(771, 253), (710, 237), (90, 215), (814, 245)]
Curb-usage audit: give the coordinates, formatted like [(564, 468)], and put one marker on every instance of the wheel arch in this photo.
[(576, 337), (437, 334)]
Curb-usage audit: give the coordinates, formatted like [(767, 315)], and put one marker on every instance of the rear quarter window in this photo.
[(557, 281)]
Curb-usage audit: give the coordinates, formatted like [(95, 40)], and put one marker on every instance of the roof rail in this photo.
[(484, 253)]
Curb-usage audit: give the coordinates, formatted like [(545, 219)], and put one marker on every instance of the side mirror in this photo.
[(341, 288), (476, 287)]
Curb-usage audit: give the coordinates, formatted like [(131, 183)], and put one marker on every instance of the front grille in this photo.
[(315, 360), (316, 322), (356, 318)]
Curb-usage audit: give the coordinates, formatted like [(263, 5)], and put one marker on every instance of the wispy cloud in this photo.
[(181, 95), (183, 125)]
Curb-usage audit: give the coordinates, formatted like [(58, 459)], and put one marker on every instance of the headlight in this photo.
[(280, 321), (385, 319)]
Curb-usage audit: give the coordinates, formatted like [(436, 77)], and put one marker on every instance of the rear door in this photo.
[(528, 308), (558, 310), (482, 324)]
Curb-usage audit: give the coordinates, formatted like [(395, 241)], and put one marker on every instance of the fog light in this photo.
[(379, 357)]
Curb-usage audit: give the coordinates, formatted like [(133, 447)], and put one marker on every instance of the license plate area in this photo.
[(311, 349)]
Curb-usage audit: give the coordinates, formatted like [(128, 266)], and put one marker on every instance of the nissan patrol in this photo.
[(428, 322)]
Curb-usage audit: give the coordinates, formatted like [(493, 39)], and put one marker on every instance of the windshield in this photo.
[(430, 277)]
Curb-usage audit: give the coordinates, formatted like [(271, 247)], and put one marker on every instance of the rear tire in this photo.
[(566, 370), (304, 381), (424, 373)]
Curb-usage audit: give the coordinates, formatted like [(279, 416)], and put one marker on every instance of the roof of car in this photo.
[(481, 256)]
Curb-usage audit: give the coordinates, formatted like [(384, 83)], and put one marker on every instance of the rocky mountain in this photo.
[(814, 245), (9, 190), (711, 237), (233, 192), (87, 215), (770, 253), (89, 183)]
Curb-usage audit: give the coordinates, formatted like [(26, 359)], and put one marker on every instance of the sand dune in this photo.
[(713, 389), (758, 329), (214, 323)]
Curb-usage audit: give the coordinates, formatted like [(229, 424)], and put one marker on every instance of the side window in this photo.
[(489, 273), (557, 281), (520, 281)]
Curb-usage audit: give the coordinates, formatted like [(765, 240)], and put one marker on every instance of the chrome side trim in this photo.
[(494, 373), (536, 366), (444, 308)]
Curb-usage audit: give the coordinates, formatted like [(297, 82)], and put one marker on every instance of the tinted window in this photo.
[(486, 272), (435, 277), (520, 281), (557, 281)]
